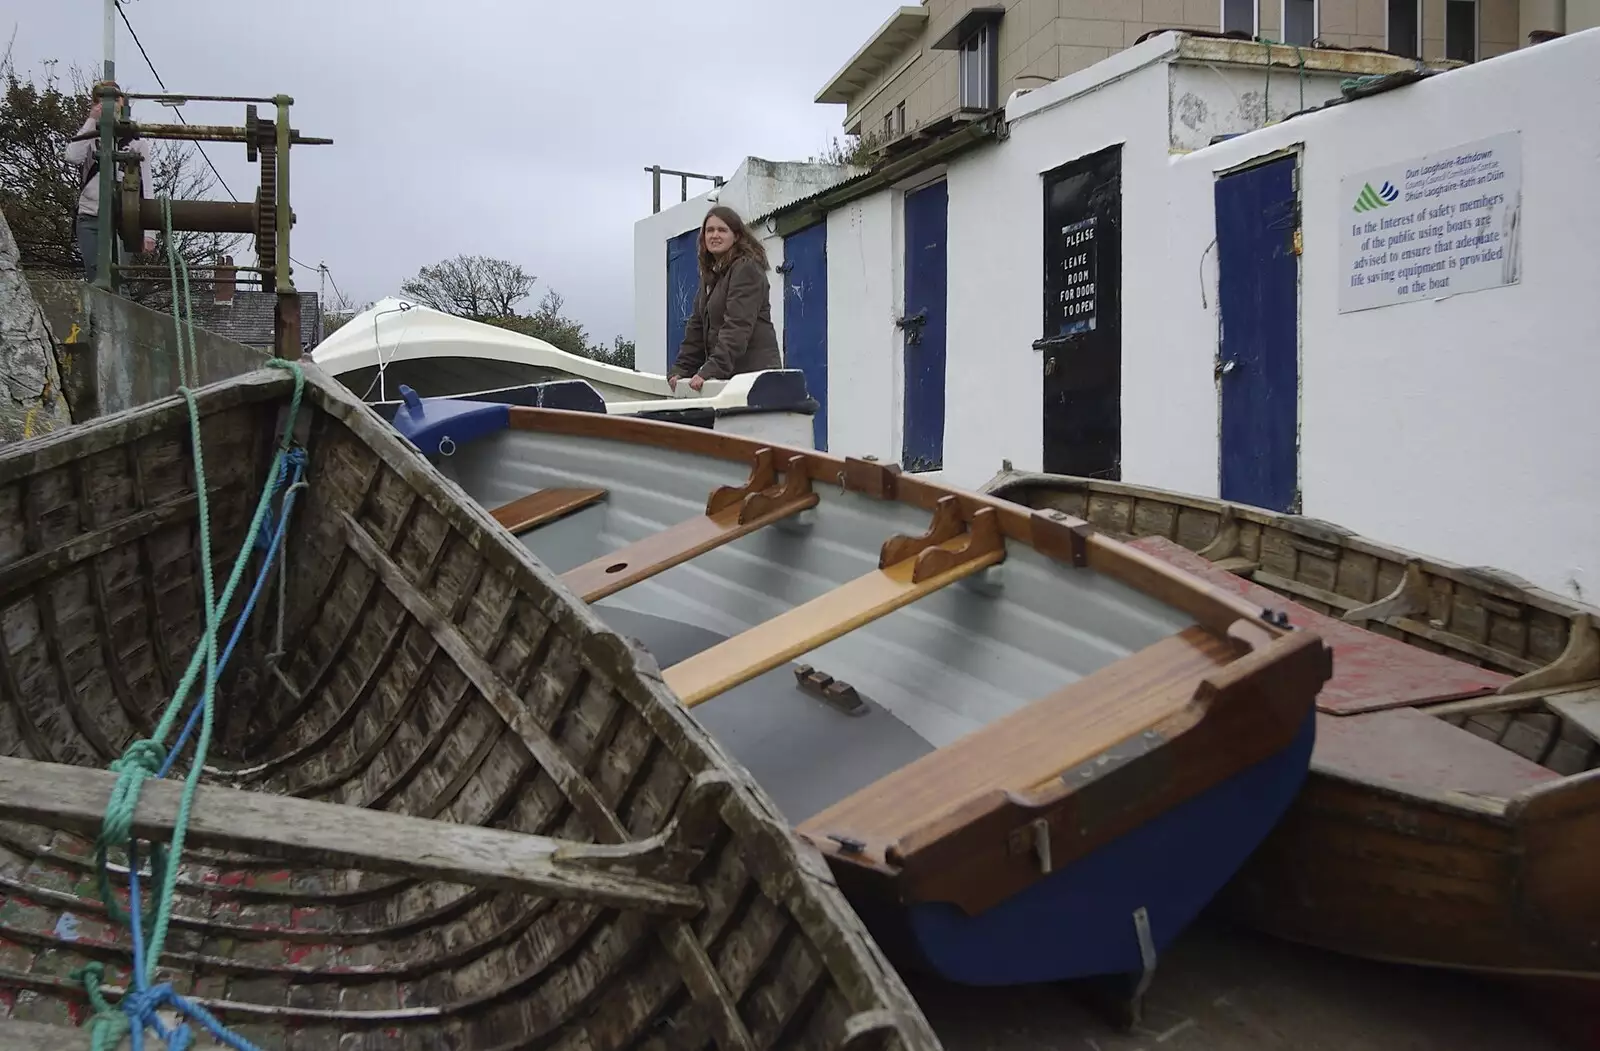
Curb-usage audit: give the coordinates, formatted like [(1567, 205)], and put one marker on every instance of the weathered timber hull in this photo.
[(1462, 832), (446, 805), (1000, 719)]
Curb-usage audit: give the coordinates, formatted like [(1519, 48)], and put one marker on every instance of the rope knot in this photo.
[(142, 755)]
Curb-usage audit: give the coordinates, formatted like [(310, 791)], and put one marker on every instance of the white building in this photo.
[(1145, 272)]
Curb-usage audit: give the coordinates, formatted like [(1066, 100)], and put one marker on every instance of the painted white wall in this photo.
[(994, 378), (1462, 428), (864, 294), (755, 189)]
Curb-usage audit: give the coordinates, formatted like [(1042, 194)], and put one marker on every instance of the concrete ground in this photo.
[(1226, 989)]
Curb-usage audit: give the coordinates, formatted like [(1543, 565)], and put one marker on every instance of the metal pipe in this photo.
[(178, 100), (108, 37), (260, 272), (655, 188), (221, 217), (105, 242), (284, 216), (203, 133)]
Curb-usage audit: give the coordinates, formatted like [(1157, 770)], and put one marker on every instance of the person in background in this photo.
[(84, 155), (729, 331)]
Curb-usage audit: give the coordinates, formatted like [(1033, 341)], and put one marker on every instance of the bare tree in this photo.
[(474, 286)]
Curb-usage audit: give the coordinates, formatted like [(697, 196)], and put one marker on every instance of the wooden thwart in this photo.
[(546, 505), (1032, 745), (731, 512), (922, 566), (344, 836)]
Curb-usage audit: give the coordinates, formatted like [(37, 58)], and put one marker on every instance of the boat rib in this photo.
[(450, 809)]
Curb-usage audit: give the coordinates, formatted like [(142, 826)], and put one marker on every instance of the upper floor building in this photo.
[(942, 61)]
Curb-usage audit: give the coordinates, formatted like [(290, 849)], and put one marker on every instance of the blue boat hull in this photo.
[(1078, 922)]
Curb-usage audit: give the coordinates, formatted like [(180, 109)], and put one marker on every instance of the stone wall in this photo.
[(31, 401)]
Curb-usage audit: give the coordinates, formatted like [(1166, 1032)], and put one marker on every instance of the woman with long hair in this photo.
[(729, 331)]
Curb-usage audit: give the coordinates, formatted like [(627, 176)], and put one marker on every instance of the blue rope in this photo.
[(142, 1003), (295, 459), (144, 1000)]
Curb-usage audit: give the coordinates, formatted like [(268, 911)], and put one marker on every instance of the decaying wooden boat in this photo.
[(1453, 813), (1030, 753), (447, 807)]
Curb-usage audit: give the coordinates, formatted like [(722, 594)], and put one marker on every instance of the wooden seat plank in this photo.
[(344, 836), (659, 552), (815, 623), (1412, 751), (1031, 747), (544, 506)]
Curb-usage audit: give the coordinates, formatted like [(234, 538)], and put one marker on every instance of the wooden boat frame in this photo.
[(1392, 858), (701, 885)]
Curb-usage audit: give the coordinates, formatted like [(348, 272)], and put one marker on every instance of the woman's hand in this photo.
[(672, 383), (696, 382)]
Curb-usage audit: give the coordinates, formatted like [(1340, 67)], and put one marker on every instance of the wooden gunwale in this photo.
[(1211, 606), (858, 985)]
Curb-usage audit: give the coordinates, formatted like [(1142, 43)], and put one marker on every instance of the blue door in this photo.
[(1258, 368), (683, 281), (924, 328), (805, 317)]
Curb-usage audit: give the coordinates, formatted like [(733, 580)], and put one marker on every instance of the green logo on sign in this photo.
[(1369, 198)]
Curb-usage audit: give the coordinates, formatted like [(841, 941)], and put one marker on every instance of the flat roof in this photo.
[(876, 55)]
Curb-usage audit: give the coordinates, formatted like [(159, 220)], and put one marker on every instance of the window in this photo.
[(1461, 30), (1405, 16), (900, 119), (888, 126), (1239, 16), (1299, 21), (978, 87)]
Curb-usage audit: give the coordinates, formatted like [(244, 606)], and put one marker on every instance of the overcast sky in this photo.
[(513, 128)]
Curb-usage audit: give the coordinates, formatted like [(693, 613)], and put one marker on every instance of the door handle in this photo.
[(912, 326)]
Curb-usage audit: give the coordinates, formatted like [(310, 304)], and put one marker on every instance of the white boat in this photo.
[(397, 343)]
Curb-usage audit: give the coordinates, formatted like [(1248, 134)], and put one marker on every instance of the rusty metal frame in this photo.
[(129, 213)]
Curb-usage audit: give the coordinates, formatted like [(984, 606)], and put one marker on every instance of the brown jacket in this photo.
[(730, 329)]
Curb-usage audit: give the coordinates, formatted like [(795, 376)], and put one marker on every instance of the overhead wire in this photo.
[(163, 84), (182, 120)]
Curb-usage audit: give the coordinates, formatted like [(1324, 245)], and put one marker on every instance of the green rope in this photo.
[(142, 758)]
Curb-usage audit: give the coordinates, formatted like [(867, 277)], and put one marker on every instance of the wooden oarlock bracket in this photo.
[(732, 511), (934, 552), (909, 568)]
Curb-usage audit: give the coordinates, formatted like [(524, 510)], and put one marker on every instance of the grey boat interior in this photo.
[(928, 673)]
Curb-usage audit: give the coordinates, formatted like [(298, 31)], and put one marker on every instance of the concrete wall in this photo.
[(31, 400), (117, 355), (1462, 427), (756, 188), (1153, 107)]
